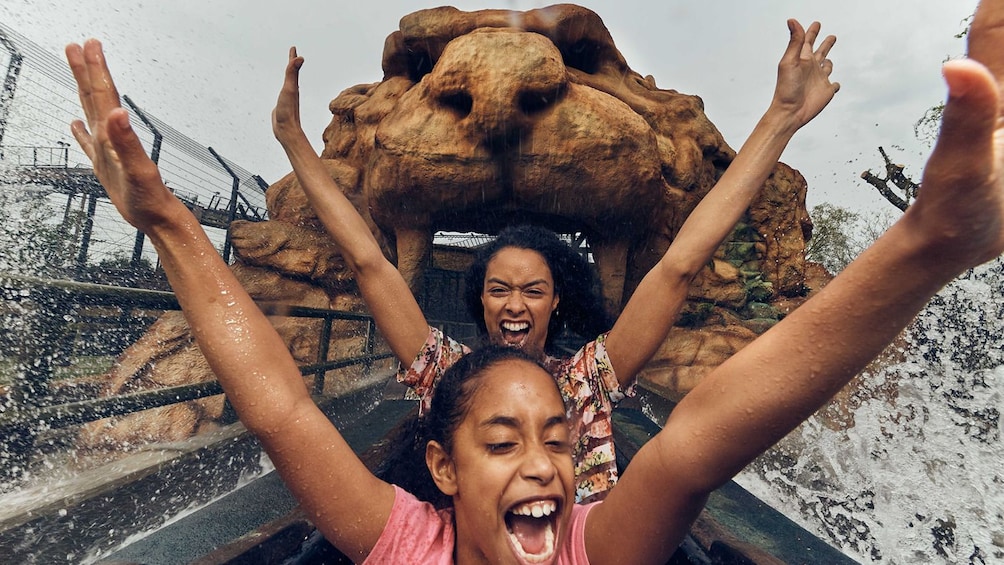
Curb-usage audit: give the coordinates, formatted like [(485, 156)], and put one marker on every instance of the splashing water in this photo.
[(919, 476), (95, 555)]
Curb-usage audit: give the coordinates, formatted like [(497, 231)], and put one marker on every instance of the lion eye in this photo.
[(461, 102), (420, 63), (533, 102), (583, 55)]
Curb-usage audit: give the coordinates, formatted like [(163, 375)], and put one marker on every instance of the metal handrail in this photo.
[(16, 288), (92, 294), (72, 413)]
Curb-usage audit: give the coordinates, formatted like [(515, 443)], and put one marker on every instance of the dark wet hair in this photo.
[(581, 308), (452, 398), (404, 463)]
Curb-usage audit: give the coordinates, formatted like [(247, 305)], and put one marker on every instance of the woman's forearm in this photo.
[(339, 217), (717, 213), (240, 344), (765, 390), (387, 295)]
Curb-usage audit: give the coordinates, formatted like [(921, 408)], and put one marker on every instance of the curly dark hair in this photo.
[(581, 309), (404, 458)]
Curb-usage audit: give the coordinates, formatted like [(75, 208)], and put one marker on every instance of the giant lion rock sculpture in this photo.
[(493, 117)]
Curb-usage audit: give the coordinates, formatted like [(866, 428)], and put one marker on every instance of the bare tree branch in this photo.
[(893, 175)]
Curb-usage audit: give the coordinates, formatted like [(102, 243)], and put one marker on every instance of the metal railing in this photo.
[(35, 156), (46, 329)]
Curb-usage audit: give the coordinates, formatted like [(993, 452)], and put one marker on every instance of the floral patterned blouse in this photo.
[(587, 383)]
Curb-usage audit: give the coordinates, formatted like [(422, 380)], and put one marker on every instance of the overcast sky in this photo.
[(211, 69)]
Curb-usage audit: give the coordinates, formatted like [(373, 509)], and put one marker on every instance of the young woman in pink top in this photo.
[(505, 458)]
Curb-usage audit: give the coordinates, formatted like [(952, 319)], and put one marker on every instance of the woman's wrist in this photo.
[(174, 225), (780, 121)]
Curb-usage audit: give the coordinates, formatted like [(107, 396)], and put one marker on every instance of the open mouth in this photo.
[(532, 527), (514, 334)]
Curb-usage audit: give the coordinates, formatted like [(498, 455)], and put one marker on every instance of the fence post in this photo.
[(232, 208), (370, 346), (9, 83), (322, 354), (158, 140), (85, 235)]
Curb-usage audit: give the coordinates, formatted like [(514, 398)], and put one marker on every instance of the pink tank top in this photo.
[(418, 533)]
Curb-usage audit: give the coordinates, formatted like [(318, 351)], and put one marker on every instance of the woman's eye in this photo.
[(559, 446), (497, 292), (502, 447)]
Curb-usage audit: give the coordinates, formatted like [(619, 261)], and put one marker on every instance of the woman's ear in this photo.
[(441, 467)]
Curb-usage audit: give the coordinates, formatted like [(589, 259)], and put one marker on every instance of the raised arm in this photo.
[(390, 301), (769, 387), (251, 361), (803, 90)]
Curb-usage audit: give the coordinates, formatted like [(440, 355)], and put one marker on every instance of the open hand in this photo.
[(960, 205), (803, 75), (286, 115), (131, 180)]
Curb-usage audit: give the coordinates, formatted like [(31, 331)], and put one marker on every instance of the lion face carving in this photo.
[(495, 117)]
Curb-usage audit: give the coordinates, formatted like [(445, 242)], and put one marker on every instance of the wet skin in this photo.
[(510, 452), (518, 298)]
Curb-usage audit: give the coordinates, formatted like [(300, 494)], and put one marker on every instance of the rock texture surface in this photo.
[(494, 117)]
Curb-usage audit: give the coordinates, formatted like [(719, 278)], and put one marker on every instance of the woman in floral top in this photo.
[(586, 379), (519, 291)]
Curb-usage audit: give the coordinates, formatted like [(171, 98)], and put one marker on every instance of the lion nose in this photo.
[(496, 82)]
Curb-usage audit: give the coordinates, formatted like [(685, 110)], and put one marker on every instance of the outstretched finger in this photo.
[(75, 58), (135, 162), (824, 48), (293, 69), (83, 137), (795, 40), (811, 33), (103, 96), (123, 138)]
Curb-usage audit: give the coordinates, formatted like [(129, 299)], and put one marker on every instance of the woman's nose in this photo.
[(515, 303), (537, 464)]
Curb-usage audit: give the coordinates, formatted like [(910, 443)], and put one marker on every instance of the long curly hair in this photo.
[(581, 309)]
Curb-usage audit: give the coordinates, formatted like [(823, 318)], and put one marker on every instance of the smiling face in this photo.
[(510, 471), (518, 297)]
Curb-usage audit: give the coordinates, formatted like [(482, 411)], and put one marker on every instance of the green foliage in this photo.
[(694, 315), (927, 127), (839, 234), (757, 289), (739, 252), (833, 243), (36, 239)]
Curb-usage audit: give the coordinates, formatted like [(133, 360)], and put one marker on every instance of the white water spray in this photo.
[(919, 477)]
